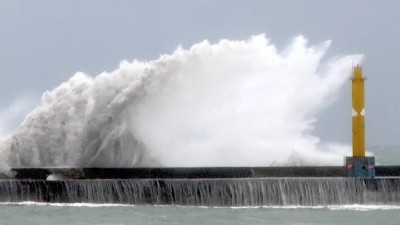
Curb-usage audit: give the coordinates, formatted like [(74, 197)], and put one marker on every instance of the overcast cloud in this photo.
[(43, 43)]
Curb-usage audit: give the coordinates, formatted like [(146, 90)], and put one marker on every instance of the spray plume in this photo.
[(234, 103)]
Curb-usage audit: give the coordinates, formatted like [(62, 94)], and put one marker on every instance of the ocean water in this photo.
[(85, 214)]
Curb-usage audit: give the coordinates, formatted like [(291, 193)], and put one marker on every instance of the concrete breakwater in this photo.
[(194, 172), (231, 192), (239, 186)]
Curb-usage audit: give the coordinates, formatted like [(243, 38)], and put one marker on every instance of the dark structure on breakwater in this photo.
[(194, 172)]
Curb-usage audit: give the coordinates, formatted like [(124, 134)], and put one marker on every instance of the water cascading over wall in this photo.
[(207, 192)]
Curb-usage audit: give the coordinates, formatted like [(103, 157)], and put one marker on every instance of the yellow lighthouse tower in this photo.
[(358, 113), (359, 165)]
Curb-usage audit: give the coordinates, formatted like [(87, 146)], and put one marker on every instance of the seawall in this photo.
[(231, 192), (195, 172), (243, 186)]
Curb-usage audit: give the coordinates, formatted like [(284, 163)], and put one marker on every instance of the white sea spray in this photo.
[(233, 103)]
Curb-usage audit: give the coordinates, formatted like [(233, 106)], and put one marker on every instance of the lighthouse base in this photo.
[(363, 167)]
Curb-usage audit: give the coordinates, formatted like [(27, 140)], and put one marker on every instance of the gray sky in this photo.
[(43, 43)]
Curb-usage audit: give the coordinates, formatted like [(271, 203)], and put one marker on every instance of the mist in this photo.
[(231, 103)]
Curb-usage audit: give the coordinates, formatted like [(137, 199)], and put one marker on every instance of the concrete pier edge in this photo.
[(193, 172)]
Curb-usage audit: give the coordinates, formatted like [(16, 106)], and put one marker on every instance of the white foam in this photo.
[(233, 103), (95, 205), (356, 207), (365, 207)]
